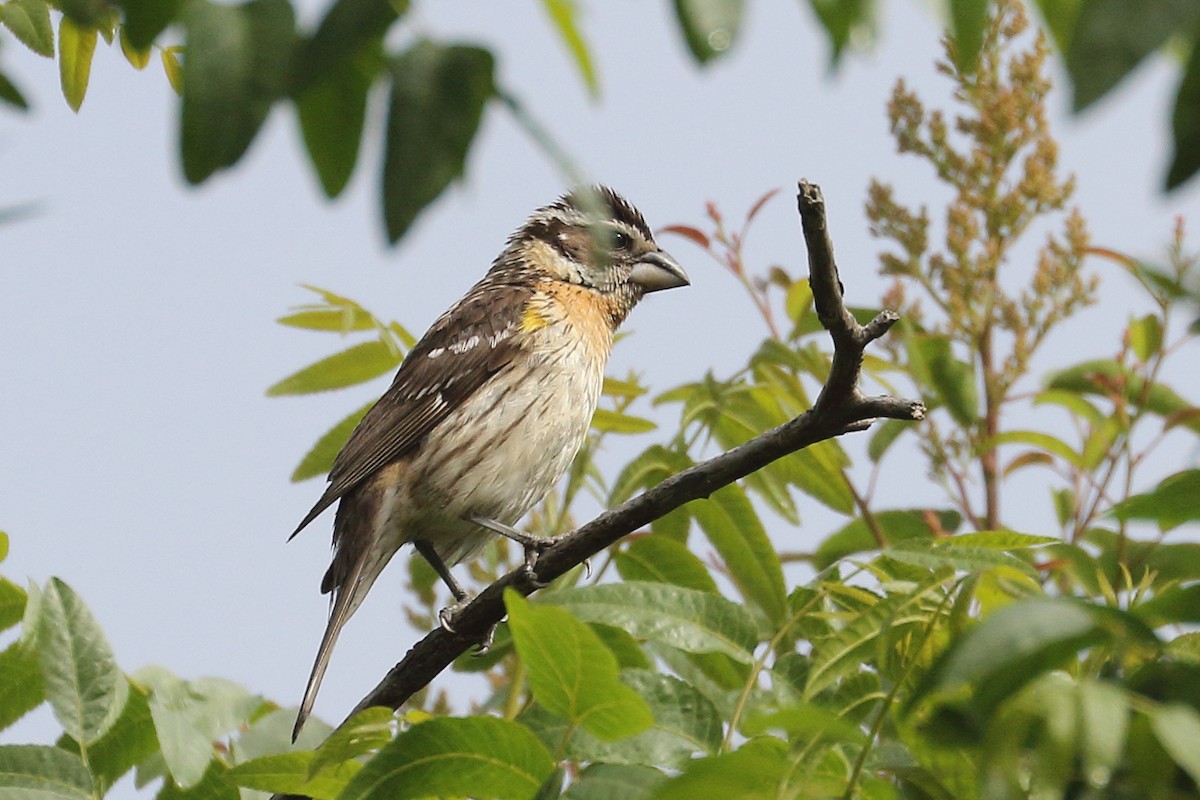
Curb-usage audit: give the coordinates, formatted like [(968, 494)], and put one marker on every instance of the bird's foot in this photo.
[(534, 546), (448, 616)]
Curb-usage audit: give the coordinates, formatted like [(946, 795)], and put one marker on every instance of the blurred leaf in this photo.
[(694, 235), (75, 48), (1072, 402), (29, 21), (968, 21), (237, 66), (21, 691), (709, 26), (146, 19), (934, 365), (437, 99), (368, 730), (1043, 441), (961, 558), (12, 603), (212, 785), (1174, 501), (1113, 36), (757, 769), (808, 723), (610, 421), (884, 436), (1011, 647), (615, 782), (354, 365), (1173, 604), (571, 673), (33, 772), (289, 772), (83, 684), (85, 13), (1178, 729), (686, 619), (657, 558), (564, 14), (1145, 337), (842, 19), (138, 58), (331, 112), (1105, 377), (1185, 122), (455, 757), (1104, 718), (9, 93), (347, 28), (729, 521), (625, 648), (172, 68), (190, 716), (896, 525), (999, 540), (646, 471), (1059, 16)]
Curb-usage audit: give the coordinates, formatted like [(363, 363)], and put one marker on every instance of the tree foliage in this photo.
[(241, 60), (934, 651)]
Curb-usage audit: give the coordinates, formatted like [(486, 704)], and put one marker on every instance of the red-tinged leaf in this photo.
[(758, 204), (1187, 416), (688, 232), (1028, 459)]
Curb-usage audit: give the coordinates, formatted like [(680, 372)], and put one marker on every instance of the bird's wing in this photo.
[(461, 351)]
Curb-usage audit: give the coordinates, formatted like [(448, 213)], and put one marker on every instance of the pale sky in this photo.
[(139, 458)]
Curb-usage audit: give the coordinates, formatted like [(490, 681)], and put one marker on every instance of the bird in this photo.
[(490, 406)]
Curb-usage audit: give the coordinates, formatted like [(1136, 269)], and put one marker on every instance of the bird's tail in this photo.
[(346, 600)]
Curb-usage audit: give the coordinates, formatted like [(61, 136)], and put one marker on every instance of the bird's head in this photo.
[(597, 239)]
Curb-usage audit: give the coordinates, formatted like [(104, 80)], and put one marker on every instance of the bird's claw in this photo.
[(447, 616)]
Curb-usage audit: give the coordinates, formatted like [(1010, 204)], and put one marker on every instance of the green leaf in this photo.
[(130, 741), (190, 716), (85, 688), (139, 59), (709, 26), (896, 525), (1008, 649), (729, 521), (12, 603), (628, 652), (657, 558), (37, 772), (968, 20), (29, 21), (354, 365), (1072, 402), (9, 93), (807, 722), (961, 558), (1178, 730), (368, 730), (1174, 501), (1104, 713), (1105, 377), (331, 112), (686, 723), (609, 421), (1145, 337), (934, 365), (75, 48), (237, 66), (319, 459), (172, 68), (86, 13), (475, 756), (1060, 16), (289, 772), (646, 471), (758, 769), (213, 785), (616, 782), (1185, 122), (565, 16), (884, 436), (686, 619), (841, 20), (1170, 605), (1113, 36), (571, 672), (1042, 441), (146, 19), (21, 691), (346, 29), (437, 99)]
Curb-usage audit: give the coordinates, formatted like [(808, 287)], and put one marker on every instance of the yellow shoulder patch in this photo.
[(533, 319)]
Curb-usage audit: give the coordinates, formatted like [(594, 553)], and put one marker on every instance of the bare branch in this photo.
[(839, 409)]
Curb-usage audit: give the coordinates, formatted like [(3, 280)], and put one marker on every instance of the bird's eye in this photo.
[(621, 240)]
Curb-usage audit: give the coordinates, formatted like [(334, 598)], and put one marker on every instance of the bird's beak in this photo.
[(658, 270)]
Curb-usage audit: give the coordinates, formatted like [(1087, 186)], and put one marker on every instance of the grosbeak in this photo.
[(491, 405)]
